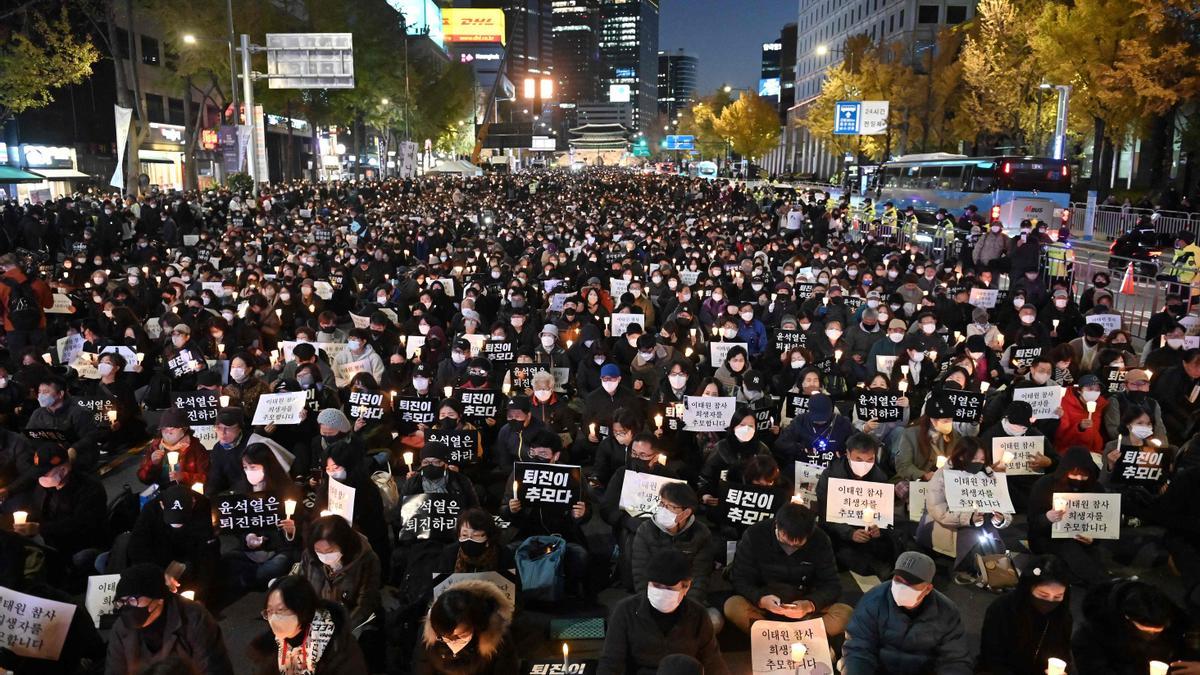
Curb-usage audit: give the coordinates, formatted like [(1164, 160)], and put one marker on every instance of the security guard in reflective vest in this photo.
[(867, 209), (890, 217), (1186, 258), (910, 221), (1059, 256)]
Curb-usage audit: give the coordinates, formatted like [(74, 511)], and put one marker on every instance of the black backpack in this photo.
[(23, 310)]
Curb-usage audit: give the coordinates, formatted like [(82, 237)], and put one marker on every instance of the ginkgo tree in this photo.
[(750, 124), (37, 56)]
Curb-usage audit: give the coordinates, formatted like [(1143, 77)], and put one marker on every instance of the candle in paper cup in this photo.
[(1091, 407), (1055, 323), (1008, 457), (112, 416), (837, 355), (941, 461), (592, 429), (799, 651), (198, 488), (408, 459), (48, 359), (1056, 667), (140, 357), (504, 388), (688, 352), (658, 420), (662, 458), (289, 508), (173, 459), (1159, 668), (904, 370), (903, 386), (312, 309), (983, 387), (20, 517), (516, 488), (869, 516), (221, 349), (279, 313), (190, 595), (224, 401), (933, 355), (448, 391), (1060, 503)]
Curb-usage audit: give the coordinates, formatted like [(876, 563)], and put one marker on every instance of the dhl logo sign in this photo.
[(473, 25)]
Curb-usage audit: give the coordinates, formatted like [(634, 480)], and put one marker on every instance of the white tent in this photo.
[(458, 166)]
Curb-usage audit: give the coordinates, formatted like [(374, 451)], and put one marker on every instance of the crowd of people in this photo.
[(421, 416)]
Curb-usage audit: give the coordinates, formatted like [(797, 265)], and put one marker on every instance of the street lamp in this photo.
[(384, 101), (191, 39), (727, 89), (822, 50), (1060, 122)]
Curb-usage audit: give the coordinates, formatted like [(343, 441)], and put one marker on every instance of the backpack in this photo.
[(23, 310), (123, 510), (540, 566)]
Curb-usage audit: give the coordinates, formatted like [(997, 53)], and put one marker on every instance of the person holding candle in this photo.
[(918, 447), (1177, 390), (1076, 472), (512, 440), (66, 508), (1127, 624), (662, 618), (599, 407), (551, 407), (1061, 317), (115, 385), (59, 411), (1137, 392), (868, 549), (347, 463), (467, 631), (480, 546), (883, 431), (1018, 423), (343, 568), (225, 458), (17, 475), (815, 437), (613, 451), (1083, 408), (174, 436), (741, 442), (265, 552), (307, 636), (433, 473), (1024, 629), (302, 354), (358, 348), (174, 531)]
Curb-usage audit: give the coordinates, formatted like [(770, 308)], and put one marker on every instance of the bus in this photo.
[(705, 169), (1007, 188)]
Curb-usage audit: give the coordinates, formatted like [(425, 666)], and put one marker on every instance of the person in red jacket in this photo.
[(174, 436), (12, 276), (1082, 413)]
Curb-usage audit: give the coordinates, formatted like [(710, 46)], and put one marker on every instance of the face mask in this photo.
[(928, 328), (458, 357), (105, 368), (330, 559), (1175, 343), (354, 345), (420, 383), (1027, 319), (432, 472), (975, 467), (609, 386), (1040, 378), (448, 422), (548, 342), (134, 616), (747, 316), (238, 374), (892, 274), (1061, 304), (228, 316), (284, 626), (664, 518), (1018, 302), (678, 381), (423, 329), (944, 427), (905, 596), (916, 357), (861, 469), (255, 476), (46, 400), (1141, 431), (744, 433), (178, 341), (50, 481), (1077, 484), (472, 548), (730, 333), (833, 335), (1044, 606), (664, 600), (542, 395), (456, 646), (1012, 429), (896, 338), (646, 356), (1090, 395), (339, 475), (873, 304)]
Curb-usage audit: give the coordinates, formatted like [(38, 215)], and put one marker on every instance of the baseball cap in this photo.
[(610, 370), (1020, 413), (915, 567)]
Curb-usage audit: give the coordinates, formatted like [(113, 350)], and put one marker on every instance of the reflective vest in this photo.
[(1058, 259), (890, 216), (1184, 263)]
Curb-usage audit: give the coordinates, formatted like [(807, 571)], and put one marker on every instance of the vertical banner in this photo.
[(121, 116), (260, 144), (243, 144), (227, 139)]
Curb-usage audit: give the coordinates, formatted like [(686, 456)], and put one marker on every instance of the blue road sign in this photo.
[(846, 119), (680, 142)]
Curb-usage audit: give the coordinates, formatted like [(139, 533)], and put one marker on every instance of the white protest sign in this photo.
[(1023, 449), (883, 364), (323, 289), (191, 239), (1043, 400), (917, 489), (62, 305), (32, 626), (126, 353), (1088, 514), (621, 321), (447, 286), (617, 288), (689, 277), (807, 477), (346, 371), (282, 408), (708, 413), (69, 347), (1110, 322), (977, 492), (101, 591), (412, 345), (793, 647), (341, 500), (477, 342), (217, 288), (85, 364), (717, 351), (506, 586), (360, 321), (639, 492), (984, 297), (207, 435), (153, 329), (860, 503)]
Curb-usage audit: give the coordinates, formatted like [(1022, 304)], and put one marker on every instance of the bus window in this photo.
[(928, 177), (1041, 175), (951, 178), (891, 176), (980, 177)]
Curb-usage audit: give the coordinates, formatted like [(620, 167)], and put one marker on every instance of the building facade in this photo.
[(577, 49), (676, 81), (629, 55)]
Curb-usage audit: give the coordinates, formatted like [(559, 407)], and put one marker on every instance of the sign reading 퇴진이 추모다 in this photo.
[(639, 492), (32, 626), (1087, 514), (748, 504), (708, 413), (548, 484), (414, 409), (774, 648), (1023, 450), (860, 503), (978, 492)]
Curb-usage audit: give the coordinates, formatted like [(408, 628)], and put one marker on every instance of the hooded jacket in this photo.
[(694, 541), (490, 652), (1041, 495), (188, 630), (1017, 638), (1108, 644)]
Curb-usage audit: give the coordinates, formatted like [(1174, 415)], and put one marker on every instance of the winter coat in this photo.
[(1171, 389), (907, 454), (761, 567), (190, 631), (72, 419), (694, 541), (635, 644), (1017, 639), (193, 464), (1074, 412), (1105, 643), (1041, 495), (490, 652), (72, 518), (840, 468), (355, 586), (246, 394), (884, 639), (939, 510), (798, 440), (330, 644)]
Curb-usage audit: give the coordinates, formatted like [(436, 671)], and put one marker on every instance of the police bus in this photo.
[(1006, 188)]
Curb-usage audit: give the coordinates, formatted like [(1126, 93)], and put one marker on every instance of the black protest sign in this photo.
[(200, 407), (322, 235), (1022, 357), (520, 376), (479, 404), (59, 436), (825, 365), (748, 504), (311, 402), (464, 445), (967, 405), (786, 339), (183, 364), (672, 416), (415, 409), (557, 667), (804, 290), (548, 484), (853, 302), (366, 405), (1113, 379), (882, 406), (1145, 466), (498, 351), (795, 405), (764, 418), (429, 516), (238, 513), (99, 408)]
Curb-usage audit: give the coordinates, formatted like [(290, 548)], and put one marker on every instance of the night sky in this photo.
[(727, 35)]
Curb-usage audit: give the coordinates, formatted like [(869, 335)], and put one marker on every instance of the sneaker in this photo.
[(964, 578)]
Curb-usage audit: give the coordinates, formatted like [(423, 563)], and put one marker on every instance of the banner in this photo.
[(792, 647), (1109, 322), (878, 405), (122, 117), (977, 492), (1043, 400), (415, 409), (549, 484), (1023, 449), (860, 503), (1088, 514), (426, 516), (200, 407), (717, 351), (32, 626), (498, 351), (639, 492), (520, 376), (101, 591), (748, 504), (243, 146), (1142, 466), (227, 139), (794, 405), (708, 413), (341, 500)]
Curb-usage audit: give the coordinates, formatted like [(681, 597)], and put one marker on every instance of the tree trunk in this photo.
[(288, 160), (359, 145), (1099, 167)]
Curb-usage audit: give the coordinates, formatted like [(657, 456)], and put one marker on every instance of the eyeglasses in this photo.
[(266, 614)]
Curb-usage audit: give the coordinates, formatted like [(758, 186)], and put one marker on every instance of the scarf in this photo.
[(484, 563), (303, 659)]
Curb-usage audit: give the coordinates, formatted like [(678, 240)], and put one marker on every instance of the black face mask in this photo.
[(473, 549), (432, 472), (447, 423), (516, 425), (975, 467), (134, 616), (1044, 606), (477, 380), (1077, 485)]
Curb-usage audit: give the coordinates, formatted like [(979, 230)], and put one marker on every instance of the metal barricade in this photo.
[(1113, 221)]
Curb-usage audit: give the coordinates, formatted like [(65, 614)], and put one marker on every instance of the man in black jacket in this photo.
[(16, 466), (1177, 390), (862, 550), (175, 531), (66, 508), (658, 621), (784, 569), (225, 460)]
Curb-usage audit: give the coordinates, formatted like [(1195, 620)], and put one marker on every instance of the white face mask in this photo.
[(178, 341), (747, 316), (1141, 431), (458, 357), (104, 368), (1018, 302), (678, 381), (833, 335), (255, 476), (905, 596), (423, 329), (1040, 378), (1061, 304), (743, 433), (1090, 395), (664, 600), (928, 328), (861, 469), (548, 342), (609, 385), (340, 474), (354, 345), (1027, 319), (542, 395), (1175, 343), (664, 518), (330, 559), (457, 646), (797, 365), (897, 338), (238, 374), (730, 333), (421, 383), (917, 357), (1012, 429)]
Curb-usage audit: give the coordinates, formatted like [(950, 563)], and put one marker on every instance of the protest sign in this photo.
[(1110, 322), (69, 347), (917, 489), (415, 409), (672, 414), (1044, 400), (323, 289), (282, 408), (240, 513), (852, 502), (617, 288), (85, 364), (479, 405), (807, 477), (341, 499), (793, 647), (207, 435), (883, 406), (764, 418), (1023, 448), (200, 407), (344, 372), (1142, 466), (748, 504), (572, 666), (520, 376), (784, 340), (366, 405), (689, 277), (1022, 357), (183, 364), (983, 297), (718, 351), (427, 516), (639, 492), (101, 591), (498, 351), (62, 305), (1087, 514), (794, 405), (977, 492), (100, 409), (126, 353), (548, 484), (967, 405), (505, 581), (1112, 379), (412, 344), (804, 289), (464, 445), (622, 320), (360, 321), (708, 413), (32, 626), (558, 301), (884, 364)]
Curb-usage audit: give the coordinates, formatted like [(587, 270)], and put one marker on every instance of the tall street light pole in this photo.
[(232, 64)]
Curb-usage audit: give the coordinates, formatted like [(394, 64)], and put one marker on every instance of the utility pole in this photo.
[(248, 92), (233, 83)]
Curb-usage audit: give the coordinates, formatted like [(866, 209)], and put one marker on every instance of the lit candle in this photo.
[(198, 488), (326, 513), (1060, 503), (941, 461), (279, 313), (312, 309), (1159, 668), (837, 355), (569, 343), (958, 336), (190, 595), (869, 516), (904, 370), (688, 352), (408, 459), (999, 340), (289, 508), (504, 388), (799, 651), (48, 359), (140, 357), (224, 401), (933, 355), (983, 387), (1054, 323), (516, 489), (658, 420), (221, 348), (1155, 442), (1149, 373), (1008, 457), (274, 355), (1056, 667), (20, 517), (173, 459), (592, 429), (112, 416), (903, 386), (1091, 407), (448, 391), (662, 458), (566, 651)]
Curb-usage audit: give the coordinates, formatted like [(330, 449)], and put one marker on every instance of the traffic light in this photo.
[(662, 143)]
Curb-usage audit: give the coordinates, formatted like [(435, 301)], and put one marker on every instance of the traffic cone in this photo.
[(1127, 283)]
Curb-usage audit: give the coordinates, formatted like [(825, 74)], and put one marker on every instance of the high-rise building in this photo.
[(530, 39), (577, 50), (676, 81), (629, 56), (777, 81)]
